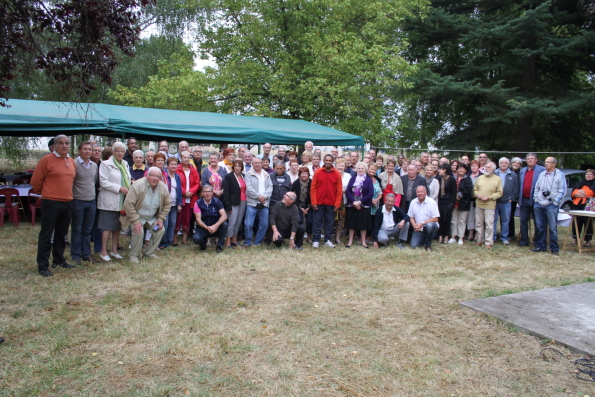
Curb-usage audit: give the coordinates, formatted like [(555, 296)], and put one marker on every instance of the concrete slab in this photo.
[(565, 314)]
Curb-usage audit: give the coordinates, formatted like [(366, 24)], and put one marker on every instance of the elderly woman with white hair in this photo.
[(114, 182), (137, 169)]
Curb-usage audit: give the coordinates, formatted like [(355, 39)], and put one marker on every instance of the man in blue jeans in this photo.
[(326, 193), (510, 191), (527, 180), (258, 192), (423, 216), (84, 205), (211, 220), (549, 192)]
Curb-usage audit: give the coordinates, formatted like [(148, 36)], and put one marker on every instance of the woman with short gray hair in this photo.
[(114, 182)]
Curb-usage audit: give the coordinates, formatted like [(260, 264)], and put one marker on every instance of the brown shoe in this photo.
[(90, 259)]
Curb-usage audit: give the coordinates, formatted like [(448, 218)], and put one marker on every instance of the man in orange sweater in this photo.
[(326, 193), (53, 179)]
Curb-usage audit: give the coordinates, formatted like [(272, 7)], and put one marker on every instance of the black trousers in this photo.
[(55, 218), (299, 236), (511, 231), (445, 218)]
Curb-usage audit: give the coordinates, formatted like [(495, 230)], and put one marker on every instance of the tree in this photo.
[(74, 42), (502, 74), (176, 86), (327, 61)]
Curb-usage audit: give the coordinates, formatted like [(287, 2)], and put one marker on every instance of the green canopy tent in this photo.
[(38, 118)]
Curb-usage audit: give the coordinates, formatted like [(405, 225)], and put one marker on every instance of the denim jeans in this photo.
[(263, 224), (424, 238), (546, 217), (502, 211), (83, 216), (326, 214), (385, 235), (169, 225), (96, 234), (201, 235), (526, 214)]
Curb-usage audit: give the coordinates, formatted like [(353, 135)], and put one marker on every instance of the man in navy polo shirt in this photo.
[(211, 219)]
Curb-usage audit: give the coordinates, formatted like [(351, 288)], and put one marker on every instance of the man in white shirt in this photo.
[(423, 215)]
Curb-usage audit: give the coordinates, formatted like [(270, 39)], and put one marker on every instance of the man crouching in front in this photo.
[(147, 204)]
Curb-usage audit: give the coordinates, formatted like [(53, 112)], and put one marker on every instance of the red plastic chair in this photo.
[(10, 205), (23, 180), (34, 205)]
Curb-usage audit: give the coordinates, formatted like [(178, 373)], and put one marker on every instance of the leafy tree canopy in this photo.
[(74, 42), (176, 86), (327, 61), (501, 74)]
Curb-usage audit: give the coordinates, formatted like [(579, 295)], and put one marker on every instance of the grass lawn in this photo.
[(274, 322)]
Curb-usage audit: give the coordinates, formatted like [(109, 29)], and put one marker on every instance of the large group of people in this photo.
[(236, 199)]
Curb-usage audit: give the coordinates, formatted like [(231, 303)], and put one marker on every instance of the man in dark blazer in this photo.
[(410, 182), (527, 179), (390, 221)]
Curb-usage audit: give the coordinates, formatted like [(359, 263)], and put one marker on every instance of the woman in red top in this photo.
[(190, 181)]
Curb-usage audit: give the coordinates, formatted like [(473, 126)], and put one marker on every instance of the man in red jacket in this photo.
[(325, 194)]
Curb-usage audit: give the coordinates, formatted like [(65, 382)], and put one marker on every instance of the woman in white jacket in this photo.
[(114, 182)]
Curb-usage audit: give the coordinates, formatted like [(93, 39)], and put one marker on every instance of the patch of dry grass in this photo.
[(272, 322)]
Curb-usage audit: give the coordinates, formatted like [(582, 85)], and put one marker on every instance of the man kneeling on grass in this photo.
[(391, 221), (423, 215), (147, 204), (211, 219), (284, 222)]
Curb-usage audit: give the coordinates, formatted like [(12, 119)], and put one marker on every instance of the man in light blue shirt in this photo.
[(548, 194)]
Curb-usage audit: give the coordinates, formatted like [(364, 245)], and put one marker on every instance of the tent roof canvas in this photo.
[(39, 118)]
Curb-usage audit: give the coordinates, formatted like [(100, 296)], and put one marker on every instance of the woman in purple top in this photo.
[(359, 193)]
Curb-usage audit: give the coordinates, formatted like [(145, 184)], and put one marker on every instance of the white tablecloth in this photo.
[(564, 218), (23, 189)]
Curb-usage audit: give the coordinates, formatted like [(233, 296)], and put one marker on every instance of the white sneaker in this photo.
[(105, 258), (117, 256), (134, 259), (460, 241), (329, 244), (315, 244), (452, 241), (153, 256)]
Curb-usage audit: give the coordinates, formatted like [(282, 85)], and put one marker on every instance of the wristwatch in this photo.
[(291, 238)]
